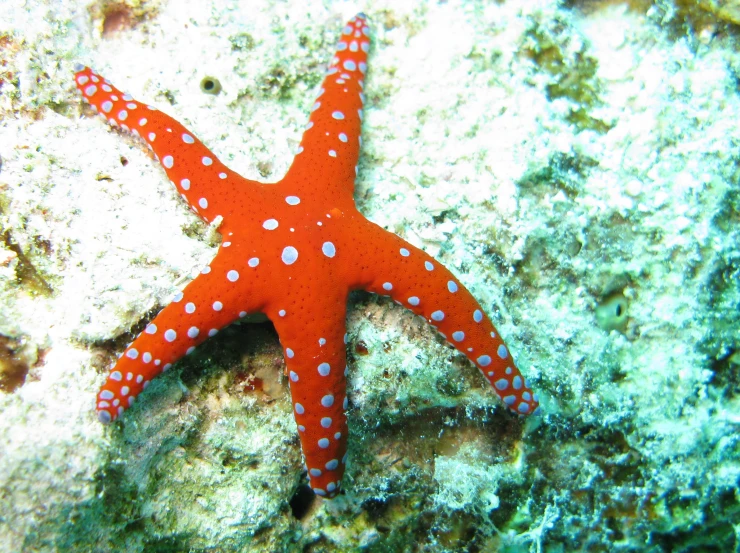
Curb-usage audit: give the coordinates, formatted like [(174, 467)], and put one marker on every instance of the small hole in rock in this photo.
[(210, 85), (611, 313), (117, 19), (301, 501)]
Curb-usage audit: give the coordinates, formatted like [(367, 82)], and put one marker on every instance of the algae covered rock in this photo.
[(575, 163)]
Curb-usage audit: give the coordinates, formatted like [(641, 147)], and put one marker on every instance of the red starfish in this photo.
[(294, 250)]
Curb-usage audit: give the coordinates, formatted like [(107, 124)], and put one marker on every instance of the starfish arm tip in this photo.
[(423, 285)]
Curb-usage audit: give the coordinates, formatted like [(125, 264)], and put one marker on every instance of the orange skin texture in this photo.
[(311, 213)]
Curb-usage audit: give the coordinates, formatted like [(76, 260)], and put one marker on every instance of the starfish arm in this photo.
[(314, 341), (217, 297), (330, 145), (206, 184), (420, 283)]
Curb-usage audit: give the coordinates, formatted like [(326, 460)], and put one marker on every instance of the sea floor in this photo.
[(575, 164)]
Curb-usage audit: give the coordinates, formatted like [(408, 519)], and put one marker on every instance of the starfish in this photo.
[(293, 250)]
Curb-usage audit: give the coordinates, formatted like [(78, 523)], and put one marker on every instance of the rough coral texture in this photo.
[(555, 154)]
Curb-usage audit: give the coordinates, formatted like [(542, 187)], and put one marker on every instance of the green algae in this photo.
[(573, 71), (689, 18), (564, 172), (28, 268)]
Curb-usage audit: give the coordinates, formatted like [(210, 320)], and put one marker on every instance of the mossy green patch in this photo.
[(688, 18), (564, 172), (30, 276), (242, 42), (573, 72)]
